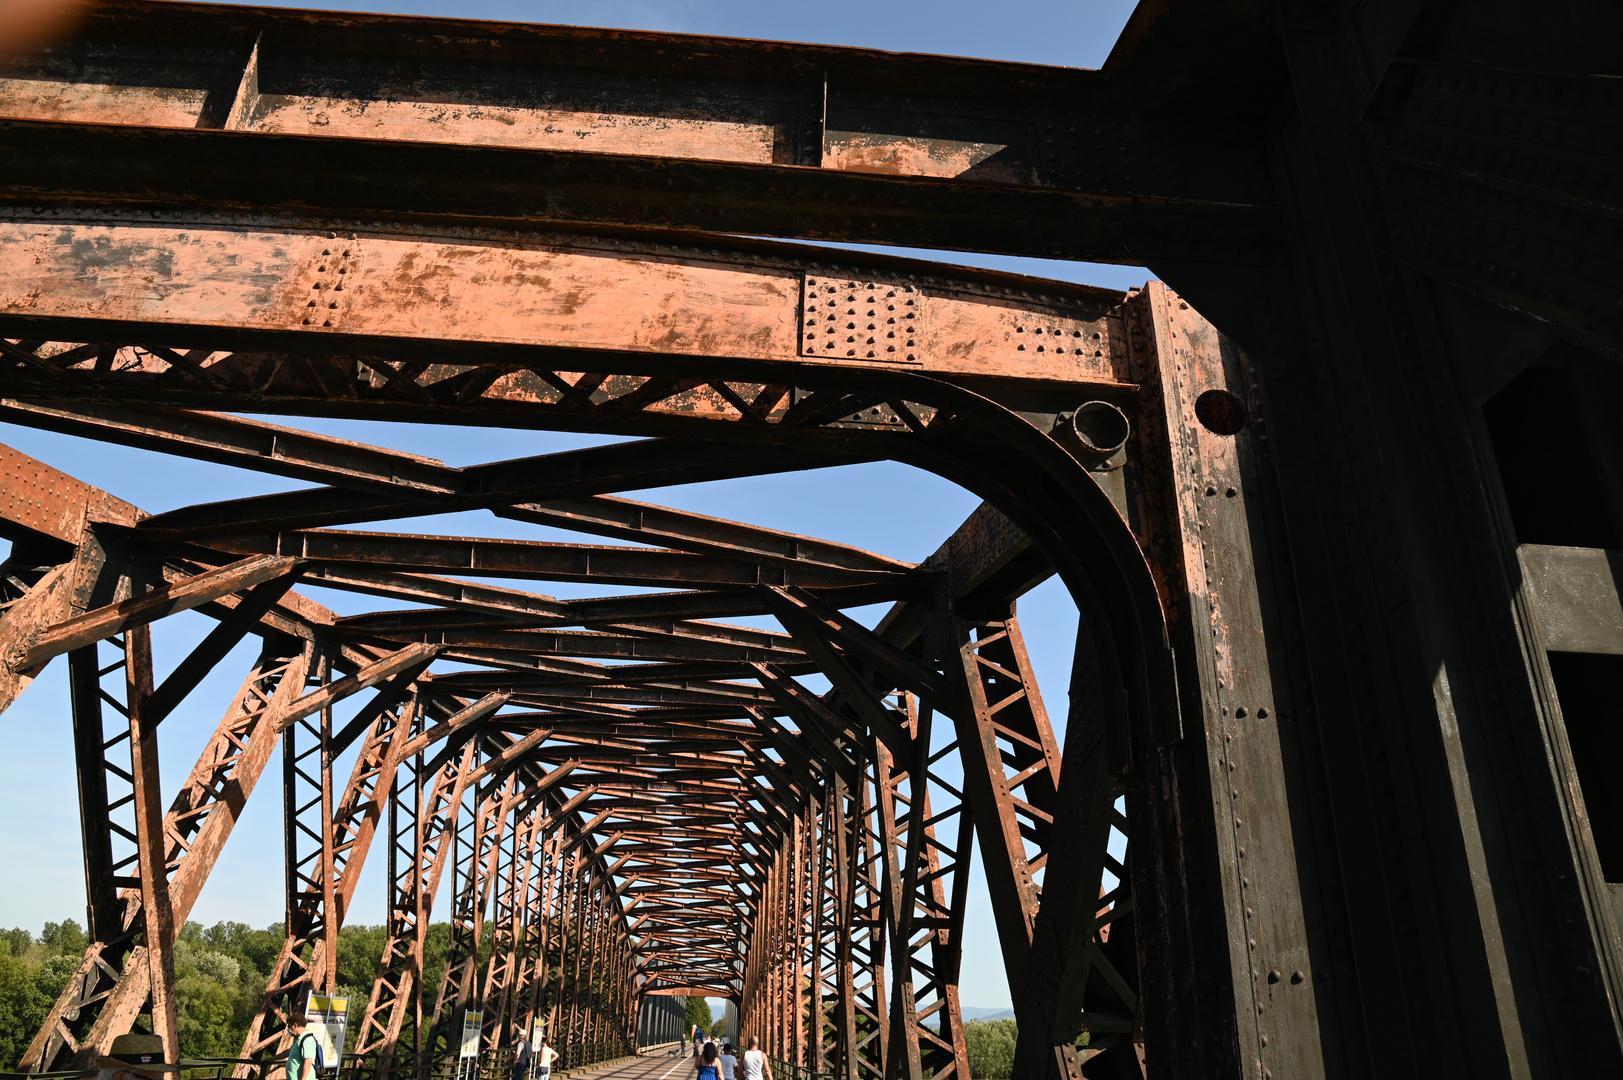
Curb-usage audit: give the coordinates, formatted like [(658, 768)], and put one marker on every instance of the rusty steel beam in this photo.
[(404, 663), (615, 467), (646, 523), (166, 599), (796, 135), (216, 645), (548, 561), (796, 315), (67, 577), (244, 443)]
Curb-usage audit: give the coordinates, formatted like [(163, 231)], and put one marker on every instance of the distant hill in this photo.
[(973, 1013)]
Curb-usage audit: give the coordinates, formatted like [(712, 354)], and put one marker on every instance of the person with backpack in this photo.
[(304, 1056), (521, 1058)]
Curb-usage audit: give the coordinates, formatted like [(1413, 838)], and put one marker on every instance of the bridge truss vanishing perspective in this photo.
[(1334, 796)]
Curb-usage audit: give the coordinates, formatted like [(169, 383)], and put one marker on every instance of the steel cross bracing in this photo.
[(1317, 806), (687, 819)]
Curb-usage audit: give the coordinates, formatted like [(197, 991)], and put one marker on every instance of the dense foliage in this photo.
[(220, 976), (991, 1048), (699, 1013)]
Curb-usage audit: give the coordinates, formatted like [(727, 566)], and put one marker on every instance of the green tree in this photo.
[(359, 950), (699, 1014), (436, 943), (65, 938), (718, 1027), (206, 1015), (15, 942), (52, 977), (991, 1048), (255, 950), (22, 1009), (220, 974)]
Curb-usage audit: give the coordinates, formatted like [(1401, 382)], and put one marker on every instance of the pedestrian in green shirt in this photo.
[(303, 1054)]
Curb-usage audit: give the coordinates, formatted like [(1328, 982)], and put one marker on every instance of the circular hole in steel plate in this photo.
[(1220, 412)]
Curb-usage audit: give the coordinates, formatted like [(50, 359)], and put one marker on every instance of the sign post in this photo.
[(467, 1058), (329, 1023)]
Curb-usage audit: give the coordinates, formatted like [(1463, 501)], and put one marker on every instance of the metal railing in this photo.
[(492, 1065), (788, 1070), (575, 1055), (190, 1069)]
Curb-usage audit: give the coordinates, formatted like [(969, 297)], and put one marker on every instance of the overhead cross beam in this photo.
[(792, 134)]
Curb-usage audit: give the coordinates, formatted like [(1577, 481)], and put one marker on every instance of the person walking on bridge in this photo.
[(304, 1055), (707, 1066), (521, 1059), (755, 1063)]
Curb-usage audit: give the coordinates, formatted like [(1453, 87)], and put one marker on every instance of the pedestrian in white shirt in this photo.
[(755, 1066)]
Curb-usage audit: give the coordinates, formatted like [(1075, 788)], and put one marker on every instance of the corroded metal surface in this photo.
[(1319, 807)]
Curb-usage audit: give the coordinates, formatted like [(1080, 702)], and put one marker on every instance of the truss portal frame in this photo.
[(1301, 607)]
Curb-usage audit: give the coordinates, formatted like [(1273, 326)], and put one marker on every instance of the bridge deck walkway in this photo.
[(654, 1067)]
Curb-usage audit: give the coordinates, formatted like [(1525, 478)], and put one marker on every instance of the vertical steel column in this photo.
[(307, 817), (582, 903), (498, 965), (420, 850), (903, 1058), (557, 937), (558, 951), (832, 972), (508, 924), (383, 1021), (1219, 549), (749, 1008), (805, 885), (916, 864), (777, 953), (113, 984), (104, 791), (102, 908), (158, 918), (111, 981), (472, 874), (530, 945), (817, 1051), (770, 920), (870, 1037), (594, 967), (318, 909)]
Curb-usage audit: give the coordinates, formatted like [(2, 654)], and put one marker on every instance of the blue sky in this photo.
[(884, 507)]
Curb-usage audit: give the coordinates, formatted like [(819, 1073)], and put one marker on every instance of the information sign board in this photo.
[(329, 1023)]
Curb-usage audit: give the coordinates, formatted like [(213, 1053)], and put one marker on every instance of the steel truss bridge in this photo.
[(1338, 505)]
